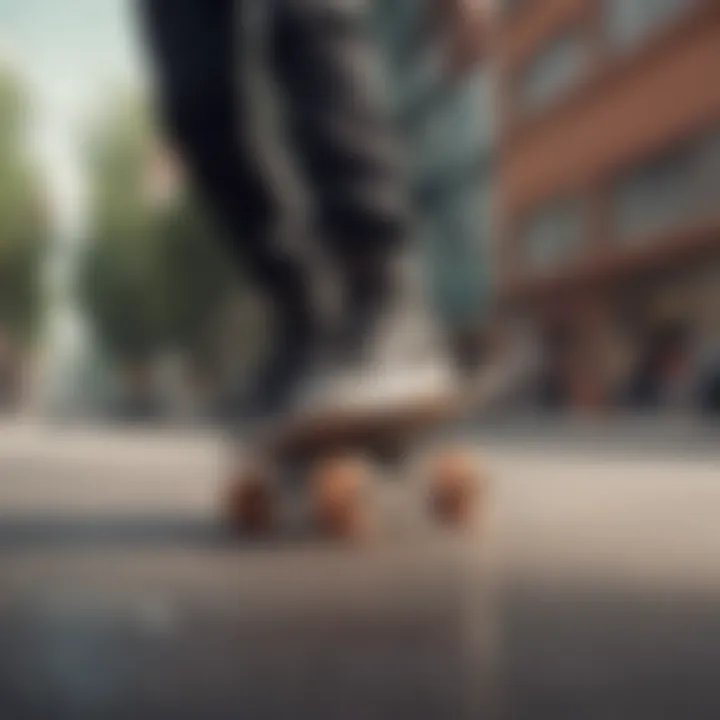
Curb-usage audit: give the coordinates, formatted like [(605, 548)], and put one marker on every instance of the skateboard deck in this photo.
[(375, 428)]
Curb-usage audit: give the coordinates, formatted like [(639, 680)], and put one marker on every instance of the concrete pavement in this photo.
[(590, 591)]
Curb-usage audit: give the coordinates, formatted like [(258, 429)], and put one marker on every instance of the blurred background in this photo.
[(565, 166), (564, 159)]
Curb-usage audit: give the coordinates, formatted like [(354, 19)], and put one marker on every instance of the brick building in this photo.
[(610, 179)]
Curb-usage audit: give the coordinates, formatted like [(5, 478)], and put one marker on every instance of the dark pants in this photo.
[(319, 55)]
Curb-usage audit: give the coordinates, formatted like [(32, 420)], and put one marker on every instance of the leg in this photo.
[(196, 51), (324, 62)]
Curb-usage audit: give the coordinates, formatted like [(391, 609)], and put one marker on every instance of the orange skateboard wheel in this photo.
[(250, 502), (339, 499), (455, 486)]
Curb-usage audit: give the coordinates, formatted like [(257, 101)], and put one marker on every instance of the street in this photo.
[(589, 590)]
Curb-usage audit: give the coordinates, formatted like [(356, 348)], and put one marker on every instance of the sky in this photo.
[(71, 53)]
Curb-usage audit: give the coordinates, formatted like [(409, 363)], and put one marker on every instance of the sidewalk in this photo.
[(680, 435), (687, 436), (23, 436)]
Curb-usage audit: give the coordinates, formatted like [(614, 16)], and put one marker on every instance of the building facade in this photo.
[(609, 159)]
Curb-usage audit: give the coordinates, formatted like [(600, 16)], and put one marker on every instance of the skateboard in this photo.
[(335, 455)]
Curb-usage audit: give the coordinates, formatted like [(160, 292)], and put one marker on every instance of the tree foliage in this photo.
[(152, 273), (23, 226)]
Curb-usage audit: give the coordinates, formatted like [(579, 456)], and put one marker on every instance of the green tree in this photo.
[(197, 275), (23, 223), (152, 274), (120, 269)]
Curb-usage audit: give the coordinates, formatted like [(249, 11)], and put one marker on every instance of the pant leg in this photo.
[(324, 62), (195, 54)]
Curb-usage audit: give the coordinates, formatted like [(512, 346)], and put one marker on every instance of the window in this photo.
[(555, 235), (669, 192), (508, 8), (708, 179), (553, 71), (654, 198), (631, 21)]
